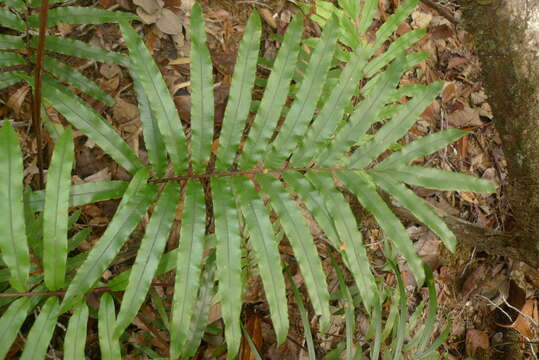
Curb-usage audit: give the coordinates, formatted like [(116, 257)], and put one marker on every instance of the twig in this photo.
[(62, 292), (36, 100), (441, 10)]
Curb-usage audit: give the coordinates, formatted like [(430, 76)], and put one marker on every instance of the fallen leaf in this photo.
[(524, 324), (149, 6), (169, 22), (467, 117), (476, 339)]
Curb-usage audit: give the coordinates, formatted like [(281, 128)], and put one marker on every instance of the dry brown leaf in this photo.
[(16, 100), (467, 117), (101, 175), (476, 339), (149, 6), (522, 324), (169, 22)]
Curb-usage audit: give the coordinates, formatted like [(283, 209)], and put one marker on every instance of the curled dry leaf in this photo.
[(467, 117), (527, 322)]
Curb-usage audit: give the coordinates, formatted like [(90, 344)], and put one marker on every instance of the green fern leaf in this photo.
[(82, 194), (9, 78), (201, 92), (55, 214), (11, 42), (300, 238), (257, 221), (396, 128), (161, 104), (41, 332), (389, 223), (301, 112), (10, 59), (11, 321), (237, 108), (151, 248), (87, 120), (13, 242), (274, 96), (74, 78), (79, 49), (189, 264), (75, 339), (202, 308), (10, 20), (228, 251), (393, 22), (108, 343), (421, 147), (330, 115), (81, 15), (418, 207), (136, 200), (439, 179), (349, 238), (395, 49), (157, 153)]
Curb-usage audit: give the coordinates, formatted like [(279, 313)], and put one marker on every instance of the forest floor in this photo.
[(472, 286)]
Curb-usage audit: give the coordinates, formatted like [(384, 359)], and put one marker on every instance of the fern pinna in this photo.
[(258, 185)]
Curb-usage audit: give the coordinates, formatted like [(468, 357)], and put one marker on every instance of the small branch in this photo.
[(250, 172), (441, 10), (36, 101), (62, 292)]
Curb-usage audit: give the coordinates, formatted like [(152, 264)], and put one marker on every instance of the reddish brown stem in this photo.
[(62, 292), (36, 101)]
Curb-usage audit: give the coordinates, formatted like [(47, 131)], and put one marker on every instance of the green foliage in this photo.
[(259, 192)]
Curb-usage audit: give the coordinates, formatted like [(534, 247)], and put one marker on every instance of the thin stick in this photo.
[(36, 101), (62, 292)]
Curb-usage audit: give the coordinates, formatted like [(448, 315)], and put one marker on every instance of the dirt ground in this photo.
[(474, 289)]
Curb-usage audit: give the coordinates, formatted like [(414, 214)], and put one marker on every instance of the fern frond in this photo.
[(9, 78), (82, 194), (201, 92), (87, 120), (304, 248), (161, 104), (81, 15), (13, 241), (239, 98), (55, 214), (108, 343), (79, 49), (331, 113), (11, 322), (10, 20), (202, 307), (228, 251), (136, 200), (439, 179), (151, 248), (301, 112), (74, 78), (362, 187), (41, 332), (11, 42), (189, 266), (275, 95), (418, 207), (421, 147), (75, 339), (258, 223), (10, 59)]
